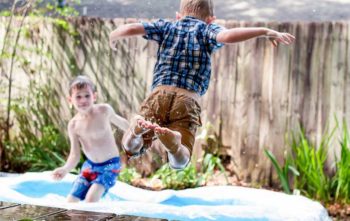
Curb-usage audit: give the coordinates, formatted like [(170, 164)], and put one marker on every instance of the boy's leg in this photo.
[(95, 193), (132, 140), (107, 173), (178, 136), (140, 134), (80, 187), (178, 154), (72, 199)]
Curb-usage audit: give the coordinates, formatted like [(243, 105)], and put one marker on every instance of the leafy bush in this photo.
[(341, 180), (310, 162), (189, 177), (38, 145), (179, 179), (307, 164), (34, 142), (283, 171), (127, 175)]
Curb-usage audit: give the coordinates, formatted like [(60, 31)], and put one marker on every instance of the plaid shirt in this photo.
[(185, 47)]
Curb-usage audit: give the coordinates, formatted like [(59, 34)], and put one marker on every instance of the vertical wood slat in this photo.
[(257, 94)]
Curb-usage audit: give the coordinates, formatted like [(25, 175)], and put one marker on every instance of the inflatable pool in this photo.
[(204, 203)]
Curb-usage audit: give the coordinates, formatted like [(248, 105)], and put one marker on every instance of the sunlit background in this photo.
[(248, 10)]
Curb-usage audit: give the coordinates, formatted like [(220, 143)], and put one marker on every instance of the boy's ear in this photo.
[(70, 102), (95, 96), (210, 19), (178, 16)]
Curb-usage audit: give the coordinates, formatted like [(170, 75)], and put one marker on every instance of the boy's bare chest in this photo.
[(93, 129)]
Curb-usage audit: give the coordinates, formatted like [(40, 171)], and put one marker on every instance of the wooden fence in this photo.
[(257, 95)]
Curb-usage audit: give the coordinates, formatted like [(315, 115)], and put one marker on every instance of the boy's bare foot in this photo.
[(132, 140), (178, 154), (170, 138)]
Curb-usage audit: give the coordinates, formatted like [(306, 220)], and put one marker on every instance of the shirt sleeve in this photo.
[(155, 30), (211, 33)]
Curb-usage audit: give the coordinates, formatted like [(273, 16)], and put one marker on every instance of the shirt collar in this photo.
[(188, 17)]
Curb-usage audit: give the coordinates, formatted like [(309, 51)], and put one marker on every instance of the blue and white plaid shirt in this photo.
[(185, 47)]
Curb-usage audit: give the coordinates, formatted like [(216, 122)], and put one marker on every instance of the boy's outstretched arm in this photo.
[(117, 120), (125, 31), (74, 155), (241, 34)]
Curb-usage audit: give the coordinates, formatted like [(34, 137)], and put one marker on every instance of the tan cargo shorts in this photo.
[(173, 110)]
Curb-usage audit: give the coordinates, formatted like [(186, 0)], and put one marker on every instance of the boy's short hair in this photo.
[(80, 82), (201, 9)]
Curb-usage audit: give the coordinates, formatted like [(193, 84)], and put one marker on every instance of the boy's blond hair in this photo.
[(201, 9), (81, 81)]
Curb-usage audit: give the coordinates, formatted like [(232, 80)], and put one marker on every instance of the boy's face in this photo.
[(82, 99)]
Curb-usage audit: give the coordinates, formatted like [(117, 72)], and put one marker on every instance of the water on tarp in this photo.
[(203, 203)]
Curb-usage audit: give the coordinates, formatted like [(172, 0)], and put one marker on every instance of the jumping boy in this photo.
[(90, 129), (181, 75)]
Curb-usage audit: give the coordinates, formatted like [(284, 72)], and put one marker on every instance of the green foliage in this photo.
[(33, 141), (5, 13), (39, 143), (310, 161), (341, 180), (212, 139), (52, 9), (209, 164), (66, 26), (283, 171), (127, 175), (179, 179), (59, 14), (307, 164), (189, 177)]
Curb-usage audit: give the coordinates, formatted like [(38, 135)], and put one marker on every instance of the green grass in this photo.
[(310, 162), (341, 180), (304, 168), (283, 171)]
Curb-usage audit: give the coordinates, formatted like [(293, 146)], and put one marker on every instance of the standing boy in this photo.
[(181, 75), (90, 129)]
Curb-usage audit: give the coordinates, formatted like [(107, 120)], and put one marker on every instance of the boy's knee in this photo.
[(130, 143), (91, 199), (180, 159), (72, 199), (179, 165)]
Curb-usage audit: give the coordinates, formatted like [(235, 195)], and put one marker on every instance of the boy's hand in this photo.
[(59, 173), (280, 37)]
